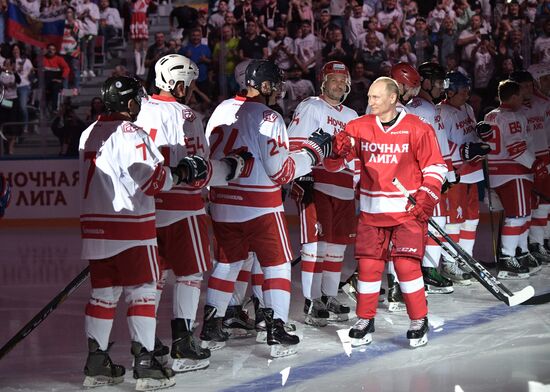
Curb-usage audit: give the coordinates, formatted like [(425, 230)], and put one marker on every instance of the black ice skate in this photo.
[(316, 313), (261, 336), (186, 350), (418, 332), (526, 259), (337, 311), (148, 371), (395, 298), (161, 351), (452, 271), (435, 283), (237, 323), (540, 253), (99, 368), (510, 268), (213, 335), (282, 343), (361, 332)]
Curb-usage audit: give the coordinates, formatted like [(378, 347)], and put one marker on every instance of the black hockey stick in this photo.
[(492, 284), (45, 312), (488, 188), (296, 261)]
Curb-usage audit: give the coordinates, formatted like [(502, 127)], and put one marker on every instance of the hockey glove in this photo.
[(484, 131), (474, 151), (191, 168), (426, 198), (240, 163), (318, 146), (342, 144), (302, 190), (449, 182), (5, 195), (539, 170)]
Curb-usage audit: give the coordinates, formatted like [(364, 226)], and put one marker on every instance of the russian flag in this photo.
[(35, 30)]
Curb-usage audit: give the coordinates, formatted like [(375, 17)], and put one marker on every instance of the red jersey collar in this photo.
[(112, 117), (163, 98)]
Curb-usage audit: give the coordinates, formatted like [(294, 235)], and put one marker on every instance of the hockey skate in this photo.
[(100, 369), (540, 253), (435, 283), (316, 313), (237, 323), (162, 352), (213, 335), (510, 268), (395, 298), (337, 311), (451, 270), (526, 259), (418, 332), (361, 332), (282, 343), (261, 336), (148, 372), (186, 350)]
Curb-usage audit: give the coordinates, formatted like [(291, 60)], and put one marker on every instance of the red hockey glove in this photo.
[(342, 144), (426, 198), (240, 162), (302, 190), (539, 170)]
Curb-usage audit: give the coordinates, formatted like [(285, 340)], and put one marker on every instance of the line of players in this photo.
[(245, 157)]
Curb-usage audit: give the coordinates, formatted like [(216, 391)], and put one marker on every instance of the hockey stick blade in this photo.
[(538, 299), (521, 296)]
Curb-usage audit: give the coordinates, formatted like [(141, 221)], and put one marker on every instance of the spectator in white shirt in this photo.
[(390, 13), (110, 24), (88, 13), (281, 49), (541, 50), (356, 24)]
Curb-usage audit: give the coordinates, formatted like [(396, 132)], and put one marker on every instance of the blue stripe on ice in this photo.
[(377, 349)]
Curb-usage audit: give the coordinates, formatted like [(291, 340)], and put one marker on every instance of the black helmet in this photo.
[(456, 80), (259, 71), (521, 76), (117, 91), (431, 71)]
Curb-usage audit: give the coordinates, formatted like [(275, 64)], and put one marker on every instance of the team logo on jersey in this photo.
[(270, 115), (189, 115), (128, 128)]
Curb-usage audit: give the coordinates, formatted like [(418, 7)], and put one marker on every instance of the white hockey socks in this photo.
[(100, 313), (539, 221), (313, 255), (277, 289), (433, 250), (241, 284), (258, 282), (512, 230), (332, 268), (468, 235), (160, 287), (187, 292), (221, 285), (141, 313)]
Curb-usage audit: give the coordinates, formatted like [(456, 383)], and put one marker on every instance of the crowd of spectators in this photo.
[(484, 39)]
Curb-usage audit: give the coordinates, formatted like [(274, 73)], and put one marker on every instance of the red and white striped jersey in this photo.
[(431, 114), (120, 172), (511, 155), (460, 126), (178, 132), (311, 114), (537, 112), (242, 122), (408, 150)]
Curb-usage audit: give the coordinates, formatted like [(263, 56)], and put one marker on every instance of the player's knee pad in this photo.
[(142, 293), (335, 251), (106, 295), (407, 268), (310, 250)]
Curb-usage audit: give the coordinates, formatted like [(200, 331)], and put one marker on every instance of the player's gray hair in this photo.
[(391, 85)]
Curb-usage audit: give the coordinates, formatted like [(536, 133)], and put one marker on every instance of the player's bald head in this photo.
[(389, 84)]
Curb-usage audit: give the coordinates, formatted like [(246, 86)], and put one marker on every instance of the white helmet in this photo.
[(240, 70), (173, 68)]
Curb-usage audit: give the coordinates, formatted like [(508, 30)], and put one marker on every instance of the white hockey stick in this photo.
[(492, 284)]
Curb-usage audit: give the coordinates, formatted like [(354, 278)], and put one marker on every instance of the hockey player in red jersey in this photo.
[(512, 163), (248, 214), (467, 152), (392, 144), (181, 221), (536, 108), (326, 201), (424, 106), (121, 171)]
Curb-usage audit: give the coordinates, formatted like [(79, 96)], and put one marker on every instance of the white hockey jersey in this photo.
[(311, 114), (431, 114), (511, 155), (460, 126), (537, 112), (407, 150), (242, 122), (120, 172), (177, 132)]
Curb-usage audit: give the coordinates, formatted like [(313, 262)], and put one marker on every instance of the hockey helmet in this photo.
[(240, 70), (5, 194), (173, 68), (431, 71), (335, 67), (455, 80), (259, 71), (117, 91), (521, 76), (405, 74)]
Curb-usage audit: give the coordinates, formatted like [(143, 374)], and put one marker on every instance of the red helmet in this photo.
[(405, 74), (335, 67)]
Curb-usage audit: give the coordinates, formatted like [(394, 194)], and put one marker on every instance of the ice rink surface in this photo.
[(476, 343)]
